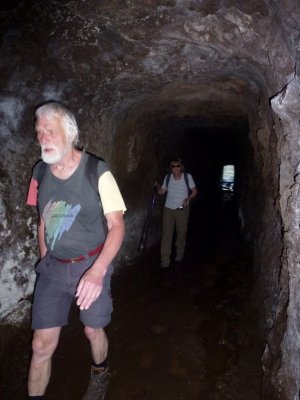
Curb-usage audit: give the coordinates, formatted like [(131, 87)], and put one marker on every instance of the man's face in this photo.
[(176, 168), (52, 138)]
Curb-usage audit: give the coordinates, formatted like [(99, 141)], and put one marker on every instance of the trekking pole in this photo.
[(148, 225), (144, 236)]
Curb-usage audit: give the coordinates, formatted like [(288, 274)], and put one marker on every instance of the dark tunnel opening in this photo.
[(206, 148), (207, 151)]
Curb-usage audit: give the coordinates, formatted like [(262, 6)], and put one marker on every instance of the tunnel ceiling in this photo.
[(126, 66), (191, 57), (210, 104)]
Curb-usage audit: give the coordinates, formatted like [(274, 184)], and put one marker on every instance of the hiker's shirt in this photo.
[(73, 210), (177, 190)]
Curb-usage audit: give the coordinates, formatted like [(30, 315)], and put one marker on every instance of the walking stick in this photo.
[(144, 236)]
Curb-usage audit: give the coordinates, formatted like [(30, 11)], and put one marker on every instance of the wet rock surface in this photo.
[(187, 333)]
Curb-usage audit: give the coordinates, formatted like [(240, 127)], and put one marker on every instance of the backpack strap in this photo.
[(168, 177), (92, 173), (186, 178), (41, 171)]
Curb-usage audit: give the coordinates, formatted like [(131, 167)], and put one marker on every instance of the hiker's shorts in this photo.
[(55, 290)]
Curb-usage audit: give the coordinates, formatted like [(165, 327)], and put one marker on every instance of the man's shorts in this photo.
[(55, 290)]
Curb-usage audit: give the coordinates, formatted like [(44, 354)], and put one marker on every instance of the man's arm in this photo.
[(160, 189), (91, 282), (193, 194)]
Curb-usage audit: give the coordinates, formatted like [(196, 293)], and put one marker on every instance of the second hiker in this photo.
[(180, 188)]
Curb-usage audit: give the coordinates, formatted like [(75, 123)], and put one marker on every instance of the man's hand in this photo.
[(186, 202), (89, 289), (91, 282)]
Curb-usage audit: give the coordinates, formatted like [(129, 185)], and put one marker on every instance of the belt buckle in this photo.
[(74, 260), (77, 259)]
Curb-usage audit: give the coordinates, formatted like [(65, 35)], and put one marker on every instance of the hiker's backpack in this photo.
[(90, 171), (168, 176)]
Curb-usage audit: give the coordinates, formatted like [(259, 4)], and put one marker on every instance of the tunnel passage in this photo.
[(205, 150), (160, 306), (209, 125)]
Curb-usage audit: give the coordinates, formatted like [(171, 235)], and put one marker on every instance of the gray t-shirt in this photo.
[(72, 211)]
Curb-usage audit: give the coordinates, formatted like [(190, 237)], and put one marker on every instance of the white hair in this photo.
[(52, 109)]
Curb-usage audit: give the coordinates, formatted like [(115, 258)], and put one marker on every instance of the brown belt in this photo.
[(91, 253)]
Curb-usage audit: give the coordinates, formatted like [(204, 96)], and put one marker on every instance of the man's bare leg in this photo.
[(44, 344), (98, 342), (99, 373)]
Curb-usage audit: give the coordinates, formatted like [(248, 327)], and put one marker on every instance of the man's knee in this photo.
[(92, 333), (44, 345)]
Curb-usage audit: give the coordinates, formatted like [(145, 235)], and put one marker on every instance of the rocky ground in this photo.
[(187, 333)]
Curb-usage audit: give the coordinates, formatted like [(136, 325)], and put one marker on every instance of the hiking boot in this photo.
[(164, 265), (98, 384)]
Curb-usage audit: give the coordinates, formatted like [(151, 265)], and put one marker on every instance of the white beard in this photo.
[(55, 156)]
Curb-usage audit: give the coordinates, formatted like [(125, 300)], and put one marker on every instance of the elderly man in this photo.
[(80, 231)]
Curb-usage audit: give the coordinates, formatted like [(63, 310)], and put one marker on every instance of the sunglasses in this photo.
[(175, 166)]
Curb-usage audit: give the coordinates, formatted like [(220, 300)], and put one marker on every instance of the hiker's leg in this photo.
[(99, 378), (182, 218), (50, 310), (96, 318), (167, 235), (98, 343), (43, 345)]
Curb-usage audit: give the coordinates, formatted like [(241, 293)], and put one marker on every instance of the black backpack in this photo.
[(168, 176)]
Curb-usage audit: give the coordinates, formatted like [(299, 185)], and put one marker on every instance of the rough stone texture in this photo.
[(281, 358), (145, 78)]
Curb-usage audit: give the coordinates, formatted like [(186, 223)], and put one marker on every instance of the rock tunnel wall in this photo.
[(281, 362), (130, 71)]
